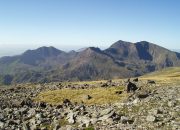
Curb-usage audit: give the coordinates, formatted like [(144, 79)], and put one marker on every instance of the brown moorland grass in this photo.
[(99, 95), (165, 77), (168, 72), (168, 76)]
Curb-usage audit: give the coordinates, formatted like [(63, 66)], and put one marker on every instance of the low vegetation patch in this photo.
[(98, 96), (165, 73), (167, 76)]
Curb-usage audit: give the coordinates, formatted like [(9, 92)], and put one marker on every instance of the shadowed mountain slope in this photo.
[(120, 60)]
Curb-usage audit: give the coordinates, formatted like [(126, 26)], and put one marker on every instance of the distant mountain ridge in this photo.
[(122, 59)]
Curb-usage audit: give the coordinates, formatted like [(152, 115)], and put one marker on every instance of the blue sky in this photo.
[(72, 24)]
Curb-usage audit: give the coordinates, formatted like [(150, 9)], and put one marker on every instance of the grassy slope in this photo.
[(166, 73), (168, 76), (99, 95)]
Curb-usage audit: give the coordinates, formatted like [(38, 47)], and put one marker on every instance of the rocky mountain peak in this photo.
[(120, 44), (122, 59), (32, 56), (44, 51), (90, 51)]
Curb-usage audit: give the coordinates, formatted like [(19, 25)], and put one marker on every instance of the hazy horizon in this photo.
[(70, 25), (20, 49)]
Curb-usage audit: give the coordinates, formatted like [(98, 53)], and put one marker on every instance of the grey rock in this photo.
[(136, 101), (31, 112), (23, 110), (93, 120), (87, 97), (106, 111), (44, 128), (71, 117), (56, 127), (33, 127), (16, 103), (17, 122), (83, 121), (174, 114), (171, 103), (151, 82), (151, 118), (155, 112), (1, 116), (32, 122), (104, 85), (124, 119), (143, 95), (105, 117), (135, 80), (38, 116), (79, 108), (2, 125), (68, 127), (67, 101), (131, 87), (25, 126)]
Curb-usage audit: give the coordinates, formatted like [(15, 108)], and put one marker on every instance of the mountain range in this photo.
[(121, 60)]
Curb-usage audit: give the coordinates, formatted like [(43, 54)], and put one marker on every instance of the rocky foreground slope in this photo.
[(151, 106)]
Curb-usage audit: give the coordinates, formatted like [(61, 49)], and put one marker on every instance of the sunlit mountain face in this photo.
[(121, 60)]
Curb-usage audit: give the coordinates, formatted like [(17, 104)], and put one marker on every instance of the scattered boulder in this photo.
[(118, 92), (104, 85), (151, 82), (38, 116), (28, 102), (136, 101), (155, 112), (94, 120), (84, 121), (135, 80), (42, 104), (67, 102), (131, 87), (16, 103), (151, 118), (2, 125), (127, 81), (25, 126), (87, 97), (106, 114), (71, 118), (171, 103), (31, 112), (106, 111), (143, 95), (59, 106), (109, 81), (56, 125), (124, 119)]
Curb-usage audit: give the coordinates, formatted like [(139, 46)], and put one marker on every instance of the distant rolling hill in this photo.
[(121, 60)]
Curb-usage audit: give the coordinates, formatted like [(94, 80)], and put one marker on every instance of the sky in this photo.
[(74, 24)]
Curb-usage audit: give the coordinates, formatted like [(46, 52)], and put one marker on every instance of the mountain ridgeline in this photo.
[(120, 60)]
